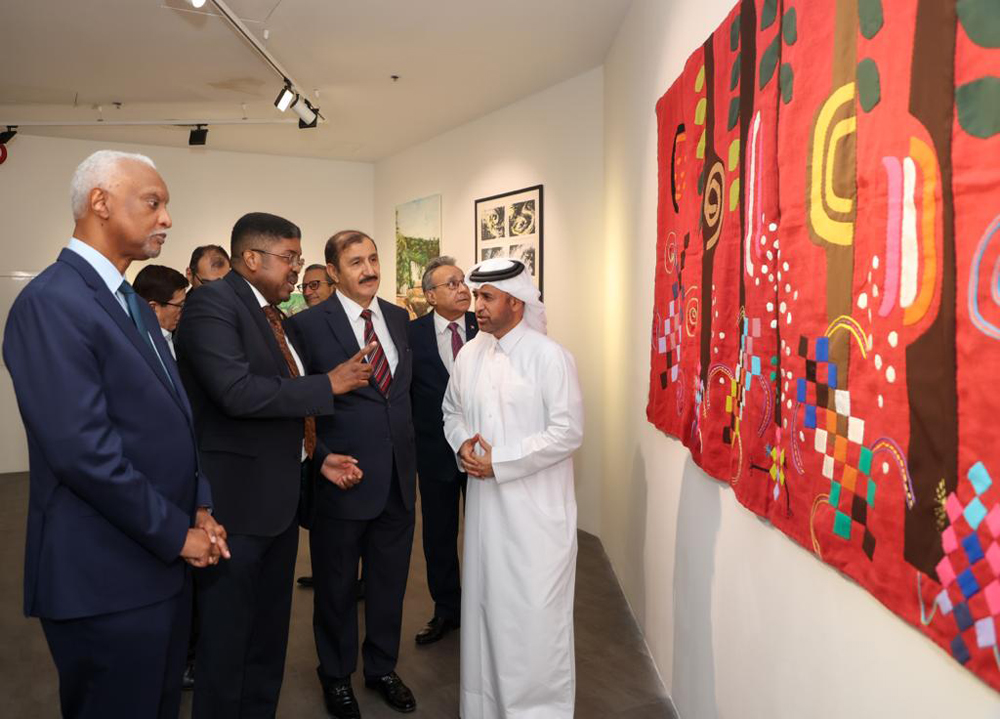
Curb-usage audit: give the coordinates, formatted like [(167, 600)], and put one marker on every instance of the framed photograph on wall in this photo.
[(510, 225)]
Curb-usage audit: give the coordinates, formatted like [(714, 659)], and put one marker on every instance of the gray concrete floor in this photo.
[(615, 677)]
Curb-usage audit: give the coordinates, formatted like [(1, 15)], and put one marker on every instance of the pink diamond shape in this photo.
[(945, 572), (993, 521), (953, 507), (948, 539), (992, 593), (993, 557)]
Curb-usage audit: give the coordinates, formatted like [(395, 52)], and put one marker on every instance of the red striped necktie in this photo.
[(380, 365)]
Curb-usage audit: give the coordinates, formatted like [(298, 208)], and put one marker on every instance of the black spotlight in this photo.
[(8, 134), (198, 136)]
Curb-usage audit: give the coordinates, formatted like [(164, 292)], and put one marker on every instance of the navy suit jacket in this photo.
[(374, 429), (115, 480), (249, 411), (435, 457)]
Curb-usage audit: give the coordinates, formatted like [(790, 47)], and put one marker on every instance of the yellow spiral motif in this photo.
[(715, 198)]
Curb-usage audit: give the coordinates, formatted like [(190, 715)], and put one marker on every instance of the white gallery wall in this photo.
[(741, 621), (552, 138), (209, 191)]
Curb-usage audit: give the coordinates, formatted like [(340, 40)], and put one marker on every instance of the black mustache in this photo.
[(369, 277)]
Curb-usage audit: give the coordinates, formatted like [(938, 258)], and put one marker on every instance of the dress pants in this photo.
[(126, 665), (440, 499), (337, 545), (244, 606)]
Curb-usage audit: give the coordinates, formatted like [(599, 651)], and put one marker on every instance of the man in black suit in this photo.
[(436, 339), (374, 518), (254, 411)]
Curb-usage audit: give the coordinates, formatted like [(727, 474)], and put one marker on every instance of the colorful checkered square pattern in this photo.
[(669, 342), (839, 437), (970, 568)]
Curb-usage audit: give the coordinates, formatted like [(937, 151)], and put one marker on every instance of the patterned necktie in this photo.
[(135, 312), (274, 319), (380, 365), (456, 339)]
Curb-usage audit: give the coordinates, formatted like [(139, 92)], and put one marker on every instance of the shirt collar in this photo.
[(354, 310), (108, 273), (509, 341), (167, 335), (256, 293), (441, 324)]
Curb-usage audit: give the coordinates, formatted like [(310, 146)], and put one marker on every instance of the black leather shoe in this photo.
[(187, 679), (435, 630), (396, 694), (306, 582), (340, 700)]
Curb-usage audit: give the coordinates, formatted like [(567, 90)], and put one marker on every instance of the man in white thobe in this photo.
[(513, 413)]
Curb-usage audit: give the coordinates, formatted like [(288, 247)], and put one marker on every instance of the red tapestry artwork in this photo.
[(826, 329)]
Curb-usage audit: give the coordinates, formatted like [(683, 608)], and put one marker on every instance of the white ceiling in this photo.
[(457, 60)]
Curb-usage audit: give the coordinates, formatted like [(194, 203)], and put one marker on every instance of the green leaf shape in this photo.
[(870, 17), (790, 27), (734, 155), (981, 20), (768, 13), (869, 84), (734, 34), (769, 61), (787, 81), (734, 76), (979, 106), (734, 113)]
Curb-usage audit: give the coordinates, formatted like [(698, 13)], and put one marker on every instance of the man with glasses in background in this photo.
[(164, 288), (436, 339), (316, 285), (254, 410), (208, 263)]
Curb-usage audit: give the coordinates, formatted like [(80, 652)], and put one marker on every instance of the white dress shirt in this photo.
[(444, 338), (353, 310)]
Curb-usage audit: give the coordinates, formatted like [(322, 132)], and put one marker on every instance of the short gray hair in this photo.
[(97, 171), (442, 261)]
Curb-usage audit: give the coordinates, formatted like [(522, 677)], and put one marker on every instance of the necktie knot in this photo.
[(366, 315), (125, 288)]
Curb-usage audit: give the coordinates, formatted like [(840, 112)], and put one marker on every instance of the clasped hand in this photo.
[(205, 542), (476, 465), (341, 470)]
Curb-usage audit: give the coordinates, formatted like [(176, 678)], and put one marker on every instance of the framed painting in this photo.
[(510, 225)]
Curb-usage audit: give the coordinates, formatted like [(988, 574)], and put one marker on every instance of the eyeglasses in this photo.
[(313, 285), (290, 260), (178, 305), (450, 284), (204, 281)]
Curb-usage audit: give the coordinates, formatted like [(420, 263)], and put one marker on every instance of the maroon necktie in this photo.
[(456, 339), (274, 319), (380, 365)]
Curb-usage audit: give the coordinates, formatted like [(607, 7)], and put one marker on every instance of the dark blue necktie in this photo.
[(134, 310)]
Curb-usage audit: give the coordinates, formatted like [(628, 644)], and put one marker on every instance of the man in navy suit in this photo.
[(372, 518), (436, 339), (117, 502), (255, 411)]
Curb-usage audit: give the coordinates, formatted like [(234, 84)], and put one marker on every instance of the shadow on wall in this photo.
[(635, 540), (698, 517)]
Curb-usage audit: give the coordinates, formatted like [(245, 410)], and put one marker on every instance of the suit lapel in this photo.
[(340, 325), (428, 334), (246, 295), (117, 313), (471, 326)]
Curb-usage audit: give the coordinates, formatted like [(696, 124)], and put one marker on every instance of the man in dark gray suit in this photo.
[(374, 518)]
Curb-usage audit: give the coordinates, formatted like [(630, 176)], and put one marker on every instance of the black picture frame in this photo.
[(511, 224)]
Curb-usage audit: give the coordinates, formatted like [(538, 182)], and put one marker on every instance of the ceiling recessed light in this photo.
[(197, 3)]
